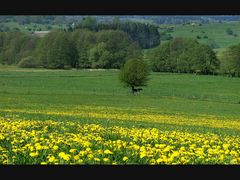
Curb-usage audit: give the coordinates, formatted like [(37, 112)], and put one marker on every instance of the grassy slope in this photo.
[(215, 31), (62, 91), (24, 28)]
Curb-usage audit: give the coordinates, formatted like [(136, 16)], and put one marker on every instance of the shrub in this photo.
[(229, 31)]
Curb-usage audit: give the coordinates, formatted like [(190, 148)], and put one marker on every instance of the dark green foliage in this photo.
[(212, 43), (14, 46), (88, 23), (230, 62), (56, 50), (118, 47), (83, 40), (204, 59), (133, 50), (146, 35), (99, 56), (104, 49), (229, 31), (134, 73), (183, 55)]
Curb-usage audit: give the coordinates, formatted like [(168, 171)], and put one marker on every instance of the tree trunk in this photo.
[(133, 89)]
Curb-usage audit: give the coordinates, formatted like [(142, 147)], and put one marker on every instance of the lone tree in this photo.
[(134, 74)]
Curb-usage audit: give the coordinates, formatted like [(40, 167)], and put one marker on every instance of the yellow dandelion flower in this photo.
[(72, 150), (105, 159), (125, 158), (108, 152), (96, 159), (55, 147), (34, 154), (51, 159), (76, 157)]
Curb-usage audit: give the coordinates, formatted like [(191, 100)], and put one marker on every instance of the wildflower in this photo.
[(55, 147), (96, 159), (108, 152), (34, 154), (72, 150), (51, 159), (105, 159), (125, 158), (64, 156)]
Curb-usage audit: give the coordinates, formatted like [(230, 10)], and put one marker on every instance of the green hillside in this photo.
[(208, 33), (28, 28)]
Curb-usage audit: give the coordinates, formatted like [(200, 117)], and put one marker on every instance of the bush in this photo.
[(229, 31), (27, 62)]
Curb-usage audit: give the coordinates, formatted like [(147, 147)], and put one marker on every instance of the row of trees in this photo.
[(146, 35), (230, 61), (104, 49), (16, 45), (183, 55), (59, 49), (83, 48)]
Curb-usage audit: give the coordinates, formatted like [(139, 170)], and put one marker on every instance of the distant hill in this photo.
[(160, 19), (206, 29), (173, 19)]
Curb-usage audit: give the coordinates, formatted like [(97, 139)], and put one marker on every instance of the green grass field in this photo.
[(33, 93), (215, 31), (32, 26), (87, 117)]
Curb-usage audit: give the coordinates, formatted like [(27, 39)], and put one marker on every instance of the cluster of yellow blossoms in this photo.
[(70, 142)]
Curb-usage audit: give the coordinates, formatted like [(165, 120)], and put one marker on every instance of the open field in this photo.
[(214, 31), (81, 116), (31, 27)]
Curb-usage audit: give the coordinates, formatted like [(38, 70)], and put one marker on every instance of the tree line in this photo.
[(186, 55), (83, 48), (145, 34)]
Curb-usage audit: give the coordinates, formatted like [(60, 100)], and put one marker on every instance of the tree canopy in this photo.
[(134, 73), (230, 62), (183, 55), (146, 35)]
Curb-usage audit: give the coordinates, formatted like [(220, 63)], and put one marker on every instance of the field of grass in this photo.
[(31, 26), (82, 116), (214, 31)]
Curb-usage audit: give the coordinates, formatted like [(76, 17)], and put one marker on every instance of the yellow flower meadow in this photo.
[(70, 142)]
